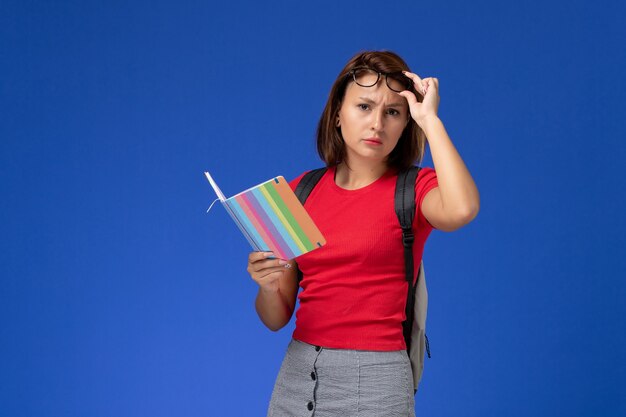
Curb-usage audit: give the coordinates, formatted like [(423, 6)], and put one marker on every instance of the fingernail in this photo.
[(268, 254), (281, 262)]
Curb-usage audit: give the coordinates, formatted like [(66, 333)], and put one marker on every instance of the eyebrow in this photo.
[(369, 100)]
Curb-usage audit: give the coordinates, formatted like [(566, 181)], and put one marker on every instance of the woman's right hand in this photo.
[(267, 272)]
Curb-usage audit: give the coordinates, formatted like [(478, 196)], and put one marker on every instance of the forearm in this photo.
[(459, 195), (272, 308)]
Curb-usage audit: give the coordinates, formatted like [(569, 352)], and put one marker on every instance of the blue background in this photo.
[(121, 296)]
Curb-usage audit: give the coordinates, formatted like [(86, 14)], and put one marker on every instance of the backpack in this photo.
[(414, 327)]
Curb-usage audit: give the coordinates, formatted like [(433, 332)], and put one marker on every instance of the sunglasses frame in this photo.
[(386, 74)]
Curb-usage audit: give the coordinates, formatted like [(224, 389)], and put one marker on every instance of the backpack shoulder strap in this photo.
[(404, 202), (308, 182), (304, 188)]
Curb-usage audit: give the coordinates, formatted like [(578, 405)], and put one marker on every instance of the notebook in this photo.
[(271, 218)]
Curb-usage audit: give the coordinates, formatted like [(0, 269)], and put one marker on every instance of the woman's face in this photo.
[(371, 120)]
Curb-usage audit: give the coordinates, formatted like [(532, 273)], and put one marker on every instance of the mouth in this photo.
[(373, 141)]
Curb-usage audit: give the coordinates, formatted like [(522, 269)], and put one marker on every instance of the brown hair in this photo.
[(330, 144)]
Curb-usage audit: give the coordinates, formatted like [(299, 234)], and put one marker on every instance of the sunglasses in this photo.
[(367, 77)]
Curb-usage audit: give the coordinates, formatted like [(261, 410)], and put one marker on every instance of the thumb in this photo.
[(410, 97)]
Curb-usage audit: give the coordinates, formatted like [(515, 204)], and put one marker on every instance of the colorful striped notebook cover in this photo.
[(272, 219)]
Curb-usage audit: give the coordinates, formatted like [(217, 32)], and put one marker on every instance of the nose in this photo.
[(378, 120)]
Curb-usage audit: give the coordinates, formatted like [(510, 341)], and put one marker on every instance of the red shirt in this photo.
[(354, 287)]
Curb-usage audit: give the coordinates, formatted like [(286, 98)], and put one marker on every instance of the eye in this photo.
[(363, 106), (393, 112)]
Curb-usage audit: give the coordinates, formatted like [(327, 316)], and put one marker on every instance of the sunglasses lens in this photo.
[(365, 77), (398, 82)]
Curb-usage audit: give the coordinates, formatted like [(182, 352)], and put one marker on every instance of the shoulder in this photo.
[(425, 174), (426, 181), (294, 183)]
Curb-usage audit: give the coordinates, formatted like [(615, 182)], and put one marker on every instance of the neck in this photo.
[(358, 175)]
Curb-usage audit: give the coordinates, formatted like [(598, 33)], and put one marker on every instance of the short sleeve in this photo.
[(426, 181)]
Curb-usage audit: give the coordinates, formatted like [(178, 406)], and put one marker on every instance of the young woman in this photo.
[(348, 355)]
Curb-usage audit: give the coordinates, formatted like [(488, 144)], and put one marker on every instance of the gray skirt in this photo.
[(322, 382)]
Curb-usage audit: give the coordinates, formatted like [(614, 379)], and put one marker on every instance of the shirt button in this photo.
[(317, 348), (313, 376), (310, 405)]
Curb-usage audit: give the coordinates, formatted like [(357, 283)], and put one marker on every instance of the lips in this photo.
[(373, 141)]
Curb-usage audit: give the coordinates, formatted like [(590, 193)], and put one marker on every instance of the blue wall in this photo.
[(121, 296)]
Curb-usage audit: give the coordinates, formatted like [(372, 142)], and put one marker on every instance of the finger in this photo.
[(409, 96), (257, 256), (271, 276), (270, 271), (431, 81), (419, 85), (416, 78), (268, 263), (425, 84), (262, 282)]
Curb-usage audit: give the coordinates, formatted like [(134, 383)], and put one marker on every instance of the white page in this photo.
[(215, 187)]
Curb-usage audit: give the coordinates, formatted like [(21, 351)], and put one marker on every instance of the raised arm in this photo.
[(455, 202)]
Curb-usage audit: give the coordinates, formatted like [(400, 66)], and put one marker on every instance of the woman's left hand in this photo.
[(428, 107)]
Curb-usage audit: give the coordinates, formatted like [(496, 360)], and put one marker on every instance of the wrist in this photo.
[(270, 290), (429, 122)]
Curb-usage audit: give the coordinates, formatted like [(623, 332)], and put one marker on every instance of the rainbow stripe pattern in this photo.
[(272, 219)]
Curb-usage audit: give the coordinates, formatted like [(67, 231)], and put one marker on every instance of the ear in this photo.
[(337, 121)]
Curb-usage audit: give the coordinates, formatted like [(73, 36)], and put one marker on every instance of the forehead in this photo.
[(378, 92)]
